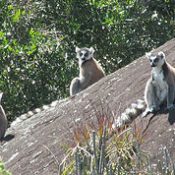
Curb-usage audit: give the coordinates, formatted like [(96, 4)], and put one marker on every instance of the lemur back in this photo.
[(90, 70)]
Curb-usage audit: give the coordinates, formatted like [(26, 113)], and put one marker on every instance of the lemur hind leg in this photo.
[(151, 99)]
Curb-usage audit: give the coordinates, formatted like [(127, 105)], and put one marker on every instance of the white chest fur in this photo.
[(160, 83), (158, 75)]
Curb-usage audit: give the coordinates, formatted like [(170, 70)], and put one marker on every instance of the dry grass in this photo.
[(100, 150)]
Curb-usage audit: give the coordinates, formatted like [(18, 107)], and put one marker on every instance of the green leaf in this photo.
[(10, 7), (1, 34), (16, 16)]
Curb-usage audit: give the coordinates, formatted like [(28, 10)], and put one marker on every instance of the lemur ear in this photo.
[(92, 50), (161, 54), (77, 49), (148, 54)]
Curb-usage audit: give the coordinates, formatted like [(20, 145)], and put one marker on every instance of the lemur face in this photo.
[(156, 60), (84, 54)]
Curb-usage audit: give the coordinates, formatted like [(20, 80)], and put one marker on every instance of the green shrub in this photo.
[(2, 170), (34, 67)]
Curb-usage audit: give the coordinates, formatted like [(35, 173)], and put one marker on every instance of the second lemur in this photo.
[(159, 88), (90, 70)]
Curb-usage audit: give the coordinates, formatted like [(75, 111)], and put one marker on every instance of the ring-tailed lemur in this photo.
[(90, 70), (159, 88), (3, 120)]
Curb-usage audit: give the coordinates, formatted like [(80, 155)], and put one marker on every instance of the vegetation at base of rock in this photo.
[(112, 152), (101, 152), (38, 38), (3, 171)]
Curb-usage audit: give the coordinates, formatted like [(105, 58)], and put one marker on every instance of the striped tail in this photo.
[(130, 114)]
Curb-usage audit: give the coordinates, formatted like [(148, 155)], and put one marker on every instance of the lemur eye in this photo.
[(156, 60), (81, 54), (86, 54), (150, 60)]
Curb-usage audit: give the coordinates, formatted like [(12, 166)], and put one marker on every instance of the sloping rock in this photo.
[(38, 146)]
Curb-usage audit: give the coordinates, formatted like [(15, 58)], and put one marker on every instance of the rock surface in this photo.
[(38, 146)]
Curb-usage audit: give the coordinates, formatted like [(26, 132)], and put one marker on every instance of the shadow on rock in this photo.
[(161, 111), (171, 117), (7, 138)]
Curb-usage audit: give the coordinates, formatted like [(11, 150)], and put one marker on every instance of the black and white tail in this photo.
[(35, 111), (130, 114)]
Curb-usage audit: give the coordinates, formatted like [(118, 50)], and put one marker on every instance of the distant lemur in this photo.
[(90, 70), (159, 88), (3, 120)]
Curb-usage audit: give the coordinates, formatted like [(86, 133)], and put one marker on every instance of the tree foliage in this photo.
[(38, 38)]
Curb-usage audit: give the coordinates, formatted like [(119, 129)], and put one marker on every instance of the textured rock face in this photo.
[(38, 146)]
